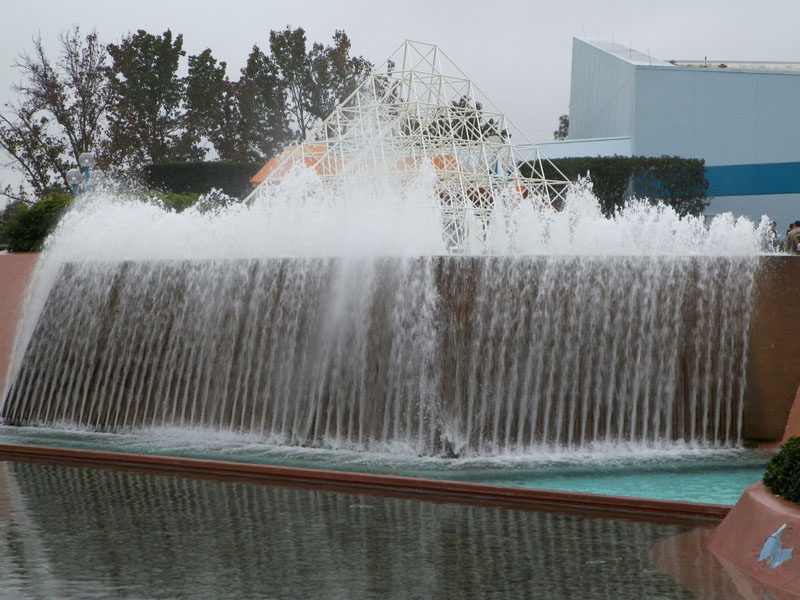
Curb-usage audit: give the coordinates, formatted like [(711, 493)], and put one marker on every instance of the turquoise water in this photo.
[(711, 481), (688, 474)]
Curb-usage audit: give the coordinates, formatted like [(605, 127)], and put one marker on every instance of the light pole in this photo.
[(74, 178), (86, 161)]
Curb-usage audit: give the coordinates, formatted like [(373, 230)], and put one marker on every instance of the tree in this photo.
[(245, 120), (471, 124), (34, 151), (207, 97), (212, 107), (290, 62), (463, 119), (148, 123), (334, 74), (263, 124), (563, 128), (10, 213), (127, 102), (314, 81), (62, 110), (252, 118)]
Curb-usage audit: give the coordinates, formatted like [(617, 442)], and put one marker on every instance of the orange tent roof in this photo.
[(268, 167), (312, 155)]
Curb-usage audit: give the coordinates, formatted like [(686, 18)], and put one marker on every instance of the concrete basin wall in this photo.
[(15, 274), (758, 543), (773, 365)]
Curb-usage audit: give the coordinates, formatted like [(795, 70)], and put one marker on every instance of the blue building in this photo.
[(742, 118)]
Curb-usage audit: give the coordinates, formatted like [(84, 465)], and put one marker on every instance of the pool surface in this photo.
[(77, 532), (687, 474)]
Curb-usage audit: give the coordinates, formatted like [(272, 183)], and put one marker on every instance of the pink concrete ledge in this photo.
[(15, 273), (758, 543), (793, 424), (423, 489), (687, 559)]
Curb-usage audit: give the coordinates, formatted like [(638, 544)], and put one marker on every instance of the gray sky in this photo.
[(517, 52)]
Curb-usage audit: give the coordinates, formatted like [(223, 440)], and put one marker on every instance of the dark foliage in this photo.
[(678, 182), (175, 202), (147, 120), (10, 213), (463, 120), (201, 177), (28, 226), (313, 80), (562, 132), (783, 472), (131, 104)]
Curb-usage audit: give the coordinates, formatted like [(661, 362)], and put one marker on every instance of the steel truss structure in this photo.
[(418, 110)]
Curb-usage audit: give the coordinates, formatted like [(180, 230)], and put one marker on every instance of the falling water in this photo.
[(395, 281), (397, 343), (580, 351)]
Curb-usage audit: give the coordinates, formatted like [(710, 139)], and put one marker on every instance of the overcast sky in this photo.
[(517, 52)]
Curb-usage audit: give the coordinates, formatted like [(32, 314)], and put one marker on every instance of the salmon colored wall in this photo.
[(773, 366), (738, 542), (793, 424), (15, 273)]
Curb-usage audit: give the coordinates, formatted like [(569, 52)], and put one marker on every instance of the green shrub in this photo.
[(679, 182), (175, 202), (29, 226), (201, 177), (783, 472), (10, 212)]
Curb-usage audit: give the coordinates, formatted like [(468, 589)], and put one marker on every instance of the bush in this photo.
[(678, 182), (9, 213), (28, 227), (201, 177), (175, 202), (783, 471)]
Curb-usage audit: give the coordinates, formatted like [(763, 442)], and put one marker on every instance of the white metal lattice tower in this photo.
[(419, 109)]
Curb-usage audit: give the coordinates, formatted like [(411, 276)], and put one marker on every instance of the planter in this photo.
[(758, 543)]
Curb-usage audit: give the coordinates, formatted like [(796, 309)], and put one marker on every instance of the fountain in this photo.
[(444, 355), (395, 284)]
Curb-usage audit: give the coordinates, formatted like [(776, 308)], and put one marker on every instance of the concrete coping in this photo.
[(411, 487)]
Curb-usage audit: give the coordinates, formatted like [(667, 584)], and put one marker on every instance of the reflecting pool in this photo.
[(76, 532)]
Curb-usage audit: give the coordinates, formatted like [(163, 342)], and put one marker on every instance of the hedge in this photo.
[(195, 178), (783, 471), (678, 182), (28, 226), (175, 202)]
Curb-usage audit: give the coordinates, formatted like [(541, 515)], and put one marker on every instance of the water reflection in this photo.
[(72, 532)]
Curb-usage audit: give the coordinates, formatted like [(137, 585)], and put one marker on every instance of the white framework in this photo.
[(426, 112)]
